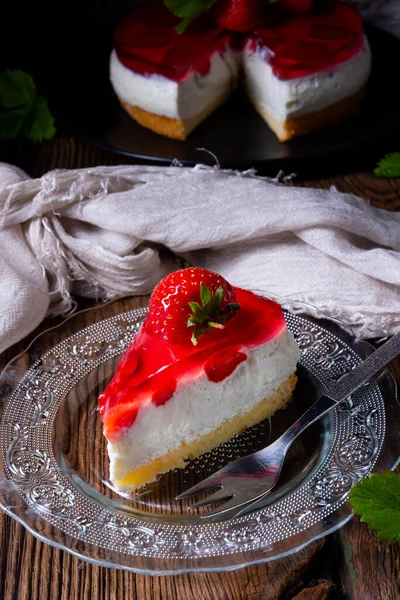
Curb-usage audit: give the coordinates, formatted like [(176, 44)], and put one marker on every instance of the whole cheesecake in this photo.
[(302, 72), (171, 399)]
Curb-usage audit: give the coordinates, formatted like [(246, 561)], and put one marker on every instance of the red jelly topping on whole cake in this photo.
[(147, 42), (152, 367), (300, 45)]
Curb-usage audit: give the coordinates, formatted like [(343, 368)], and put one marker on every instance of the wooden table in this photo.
[(350, 564)]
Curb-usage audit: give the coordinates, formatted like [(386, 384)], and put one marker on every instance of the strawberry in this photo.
[(237, 15), (189, 303), (297, 7)]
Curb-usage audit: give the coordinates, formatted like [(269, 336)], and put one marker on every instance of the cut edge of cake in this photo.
[(306, 104), (171, 108), (178, 458), (177, 129), (202, 414), (320, 120)]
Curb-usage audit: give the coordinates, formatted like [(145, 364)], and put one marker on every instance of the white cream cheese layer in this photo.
[(162, 96), (199, 406), (295, 97)]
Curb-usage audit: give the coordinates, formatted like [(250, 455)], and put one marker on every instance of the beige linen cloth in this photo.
[(110, 231)]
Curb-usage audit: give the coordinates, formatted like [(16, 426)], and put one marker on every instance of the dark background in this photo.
[(66, 48)]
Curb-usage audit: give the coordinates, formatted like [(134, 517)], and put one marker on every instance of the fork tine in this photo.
[(213, 481), (239, 507), (224, 509), (218, 496), (204, 486)]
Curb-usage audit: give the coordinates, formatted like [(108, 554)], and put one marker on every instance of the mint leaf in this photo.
[(16, 89), (389, 166), (39, 124), (11, 122), (22, 111), (377, 500), (188, 10)]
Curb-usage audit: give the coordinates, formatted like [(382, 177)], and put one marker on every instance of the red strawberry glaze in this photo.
[(299, 45), (146, 42), (151, 368)]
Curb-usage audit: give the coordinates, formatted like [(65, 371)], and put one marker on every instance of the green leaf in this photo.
[(215, 325), (377, 500), (230, 308), (188, 10), (205, 294), (200, 330), (197, 310), (192, 321), (209, 315), (183, 24), (11, 122), (39, 125), (16, 89), (216, 301), (22, 111), (389, 166)]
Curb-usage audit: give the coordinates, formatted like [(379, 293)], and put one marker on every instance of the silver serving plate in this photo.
[(54, 464)]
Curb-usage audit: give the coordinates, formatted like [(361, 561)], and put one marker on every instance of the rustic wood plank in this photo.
[(32, 570), (36, 571), (369, 568), (321, 590)]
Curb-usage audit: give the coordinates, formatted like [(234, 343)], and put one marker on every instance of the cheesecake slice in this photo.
[(166, 81), (180, 391)]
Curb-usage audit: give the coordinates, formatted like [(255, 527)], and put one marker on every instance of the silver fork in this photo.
[(247, 480)]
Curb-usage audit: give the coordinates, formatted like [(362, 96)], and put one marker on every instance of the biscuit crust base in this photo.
[(177, 129)]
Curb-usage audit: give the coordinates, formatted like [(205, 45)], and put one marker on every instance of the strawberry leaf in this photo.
[(192, 321), (205, 294), (230, 309), (209, 315), (197, 310), (200, 330), (377, 500), (215, 325), (217, 299)]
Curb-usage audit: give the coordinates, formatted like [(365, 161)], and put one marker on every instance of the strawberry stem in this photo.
[(209, 315)]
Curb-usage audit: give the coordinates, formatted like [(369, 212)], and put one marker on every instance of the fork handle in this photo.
[(363, 372), (343, 388), (323, 405)]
